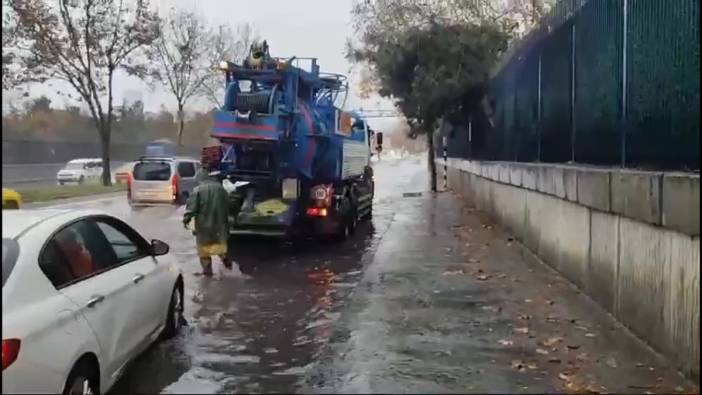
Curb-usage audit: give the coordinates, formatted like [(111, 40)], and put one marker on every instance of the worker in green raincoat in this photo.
[(209, 207)]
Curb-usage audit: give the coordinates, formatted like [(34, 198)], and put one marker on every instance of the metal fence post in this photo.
[(625, 27), (470, 136), (445, 164), (538, 112), (572, 92)]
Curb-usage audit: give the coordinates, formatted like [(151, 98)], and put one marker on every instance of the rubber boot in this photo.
[(227, 262), (206, 264)]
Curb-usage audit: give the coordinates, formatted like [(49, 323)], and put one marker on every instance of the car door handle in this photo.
[(137, 277), (95, 300)]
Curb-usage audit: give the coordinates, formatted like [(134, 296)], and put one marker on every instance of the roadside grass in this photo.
[(49, 193)]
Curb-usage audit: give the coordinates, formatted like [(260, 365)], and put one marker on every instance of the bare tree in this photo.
[(228, 45), (181, 55), (9, 41), (83, 42)]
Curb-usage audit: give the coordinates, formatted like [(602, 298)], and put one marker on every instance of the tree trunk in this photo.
[(105, 147), (181, 124), (431, 161)]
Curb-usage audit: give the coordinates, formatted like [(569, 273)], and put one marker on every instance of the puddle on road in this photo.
[(262, 331)]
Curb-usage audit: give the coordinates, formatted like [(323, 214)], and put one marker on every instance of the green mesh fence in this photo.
[(581, 113), (598, 82), (663, 70), (556, 76), (526, 129)]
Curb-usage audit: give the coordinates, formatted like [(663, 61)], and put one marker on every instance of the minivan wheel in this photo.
[(82, 380), (175, 311)]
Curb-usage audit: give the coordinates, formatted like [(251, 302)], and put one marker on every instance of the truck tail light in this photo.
[(10, 351), (317, 212)]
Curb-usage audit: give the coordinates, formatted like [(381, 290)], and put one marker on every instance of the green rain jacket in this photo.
[(209, 206)]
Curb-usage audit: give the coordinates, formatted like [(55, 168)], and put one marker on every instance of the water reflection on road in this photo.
[(259, 330)]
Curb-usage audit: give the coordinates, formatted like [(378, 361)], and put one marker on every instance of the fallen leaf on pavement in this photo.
[(531, 366), (590, 335), (640, 365), (527, 300), (483, 277), (581, 357), (519, 365), (551, 341), (473, 260), (541, 351), (554, 360), (550, 302), (453, 272), (611, 362), (492, 308), (501, 275), (522, 330), (524, 317), (573, 346), (564, 376), (505, 342)]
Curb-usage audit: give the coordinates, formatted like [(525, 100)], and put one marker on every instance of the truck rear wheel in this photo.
[(346, 224)]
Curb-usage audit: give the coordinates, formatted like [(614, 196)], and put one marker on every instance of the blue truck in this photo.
[(294, 162)]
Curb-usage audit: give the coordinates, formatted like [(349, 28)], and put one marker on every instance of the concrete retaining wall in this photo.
[(628, 239)]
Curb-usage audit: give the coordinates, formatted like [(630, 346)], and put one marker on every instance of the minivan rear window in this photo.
[(152, 171), (10, 251)]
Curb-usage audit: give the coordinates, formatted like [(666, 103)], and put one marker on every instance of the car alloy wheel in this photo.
[(82, 385), (177, 301), (174, 318)]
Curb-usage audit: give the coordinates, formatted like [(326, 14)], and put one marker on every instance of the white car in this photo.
[(82, 295), (80, 171)]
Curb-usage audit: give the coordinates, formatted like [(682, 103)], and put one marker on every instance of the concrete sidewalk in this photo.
[(450, 303)]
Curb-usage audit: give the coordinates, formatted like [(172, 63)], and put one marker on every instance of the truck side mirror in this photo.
[(379, 139)]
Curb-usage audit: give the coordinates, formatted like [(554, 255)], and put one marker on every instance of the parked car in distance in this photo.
[(122, 173), (162, 179), (11, 199), (83, 294), (80, 171)]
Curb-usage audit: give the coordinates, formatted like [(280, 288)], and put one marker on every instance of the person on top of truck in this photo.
[(208, 206)]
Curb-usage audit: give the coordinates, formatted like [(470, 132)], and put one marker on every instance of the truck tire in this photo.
[(345, 225), (369, 215)]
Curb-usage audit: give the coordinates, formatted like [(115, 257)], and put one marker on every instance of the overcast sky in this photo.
[(303, 28)]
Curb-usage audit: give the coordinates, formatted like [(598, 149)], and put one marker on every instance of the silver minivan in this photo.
[(159, 180)]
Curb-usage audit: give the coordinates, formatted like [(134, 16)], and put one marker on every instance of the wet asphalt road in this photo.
[(428, 297), (262, 329)]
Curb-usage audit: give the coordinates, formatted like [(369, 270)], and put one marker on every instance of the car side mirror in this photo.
[(379, 139), (159, 248)]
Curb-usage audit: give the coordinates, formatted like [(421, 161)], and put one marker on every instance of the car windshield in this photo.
[(75, 166), (10, 250), (152, 171)]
